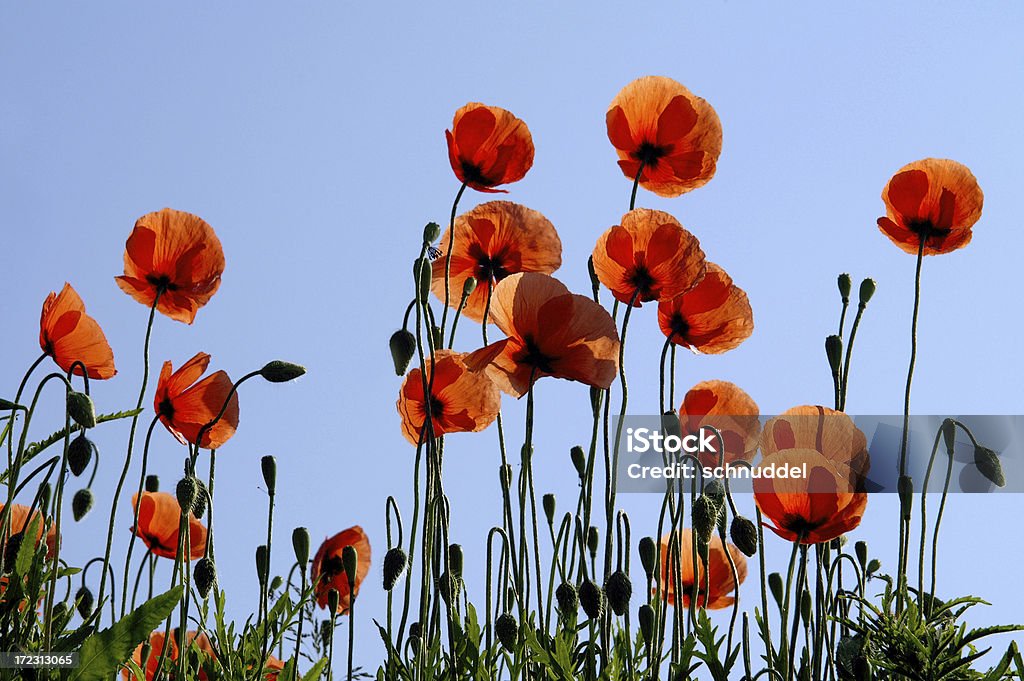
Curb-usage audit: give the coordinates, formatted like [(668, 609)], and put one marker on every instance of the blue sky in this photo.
[(311, 138)]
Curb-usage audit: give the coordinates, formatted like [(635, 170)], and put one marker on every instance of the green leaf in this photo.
[(28, 548), (104, 652), (316, 670)]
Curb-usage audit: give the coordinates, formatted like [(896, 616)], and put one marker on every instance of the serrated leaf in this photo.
[(315, 671), (28, 548)]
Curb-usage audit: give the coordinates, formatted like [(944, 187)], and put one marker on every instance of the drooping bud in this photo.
[(186, 491), (431, 231), (834, 353), (775, 586), (867, 289), (905, 487), (403, 348), (276, 582), (648, 555), (845, 284), (549, 508), (988, 465), (646, 617), (568, 599), (421, 272), (152, 483), (705, 517), (743, 533), (205, 575), (579, 461), (79, 454), (619, 590), (300, 544), (269, 466), (84, 602), (81, 503), (279, 371), (202, 495), (715, 491), (861, 549), (949, 435), (874, 565), (592, 599), (592, 541), (350, 559), (394, 565), (456, 560), (262, 564), (448, 587), (507, 631), (81, 409), (415, 633), (468, 287)]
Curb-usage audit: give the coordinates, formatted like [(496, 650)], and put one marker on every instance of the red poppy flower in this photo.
[(488, 146), (156, 645), (68, 334), (328, 570), (829, 432), (551, 332), (935, 199), (462, 401), (185, 405), (492, 241), (715, 587), (20, 521), (649, 252), (675, 135), (177, 255), (159, 515), (712, 317), (728, 408), (810, 509)]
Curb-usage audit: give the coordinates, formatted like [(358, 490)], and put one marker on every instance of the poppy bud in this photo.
[(805, 606), (705, 517), (596, 396), (744, 535), (845, 284), (456, 560), (468, 286), (948, 429), (874, 565), (262, 564), (838, 543), (205, 575), (7, 405), (592, 540), (300, 543), (775, 586), (431, 231), (988, 465), (279, 371), (715, 491), (595, 283), (79, 454), (81, 410), (867, 289), (152, 483), (438, 338), (646, 617), (905, 487), (276, 583), (549, 507), (394, 565), (448, 587), (568, 599), (199, 508), (507, 631), (81, 503), (421, 271), (84, 602), (44, 494), (415, 630), (648, 555), (592, 599), (349, 558), (505, 476), (619, 590), (403, 347), (579, 461), (327, 626), (269, 466), (670, 424), (187, 491), (60, 612), (861, 549), (333, 600), (834, 353)]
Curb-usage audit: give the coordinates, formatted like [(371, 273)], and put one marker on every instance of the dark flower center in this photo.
[(641, 280), (436, 407), (472, 174), (330, 568), (162, 282), (679, 325), (926, 229), (650, 153), (166, 409), (800, 526), (491, 268), (537, 359)]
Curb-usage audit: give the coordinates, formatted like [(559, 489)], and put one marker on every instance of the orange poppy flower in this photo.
[(156, 645), (68, 334), (712, 317), (159, 515), (488, 146), (935, 199), (328, 570), (551, 332), (272, 667), (185, 405), (719, 591), (492, 241), (812, 509), (461, 401), (675, 135), (649, 252), (176, 254), (20, 522), (829, 432), (725, 406)]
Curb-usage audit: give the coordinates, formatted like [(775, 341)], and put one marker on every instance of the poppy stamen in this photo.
[(162, 282), (649, 153), (641, 280), (473, 175), (537, 359)]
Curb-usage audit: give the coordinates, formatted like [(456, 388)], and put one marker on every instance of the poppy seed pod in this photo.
[(593, 538), (568, 599), (349, 559), (269, 466), (403, 347), (648, 555), (743, 533), (79, 454), (81, 410), (456, 560), (81, 503), (468, 286), (152, 483), (549, 507), (187, 491), (431, 231), (905, 487), (619, 590), (394, 565), (845, 284), (507, 631), (705, 517), (579, 461), (279, 371), (834, 353), (988, 465), (199, 507), (861, 549), (646, 618), (262, 564), (867, 289), (205, 575), (84, 601), (775, 586), (300, 544), (592, 599), (421, 276)]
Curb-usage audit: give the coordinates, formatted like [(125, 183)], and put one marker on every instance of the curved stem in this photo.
[(448, 257)]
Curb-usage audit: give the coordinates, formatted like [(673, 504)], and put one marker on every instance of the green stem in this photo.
[(448, 257)]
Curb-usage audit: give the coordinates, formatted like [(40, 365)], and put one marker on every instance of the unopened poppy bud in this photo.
[(592, 599), (81, 503), (152, 483), (838, 543), (327, 627), (431, 231), (648, 555), (438, 338), (81, 409), (845, 284), (79, 454), (743, 533), (276, 583), (202, 494), (596, 397), (468, 286), (84, 601), (874, 565), (394, 565), (775, 586), (715, 491), (867, 289), (646, 618), (205, 575), (595, 283), (805, 606), (705, 517), (421, 271), (619, 590), (568, 599), (186, 491), (988, 465), (403, 348), (834, 353), (333, 600), (269, 466), (505, 476), (349, 559), (61, 612), (905, 487), (507, 631), (448, 587), (670, 424), (279, 371), (456, 560), (861, 549), (262, 564), (7, 405), (592, 540), (549, 507), (579, 461), (300, 544)]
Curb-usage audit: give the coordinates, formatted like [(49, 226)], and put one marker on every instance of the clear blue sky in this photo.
[(311, 138)]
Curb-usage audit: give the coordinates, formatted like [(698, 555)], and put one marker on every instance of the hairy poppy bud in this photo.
[(715, 491), (646, 617), (403, 348), (507, 631), (619, 590), (648, 555), (262, 564), (394, 565), (349, 558), (775, 586), (743, 533), (805, 606), (867, 289), (187, 490), (456, 560), (205, 575), (905, 487), (300, 544), (874, 565), (152, 483), (333, 600), (79, 454), (81, 410), (592, 541), (579, 461), (279, 371), (468, 286), (199, 507), (845, 284), (549, 507), (705, 517), (431, 231), (269, 466), (834, 353), (81, 503), (84, 602), (596, 397), (592, 599), (568, 599), (988, 465), (861, 549), (421, 271)]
